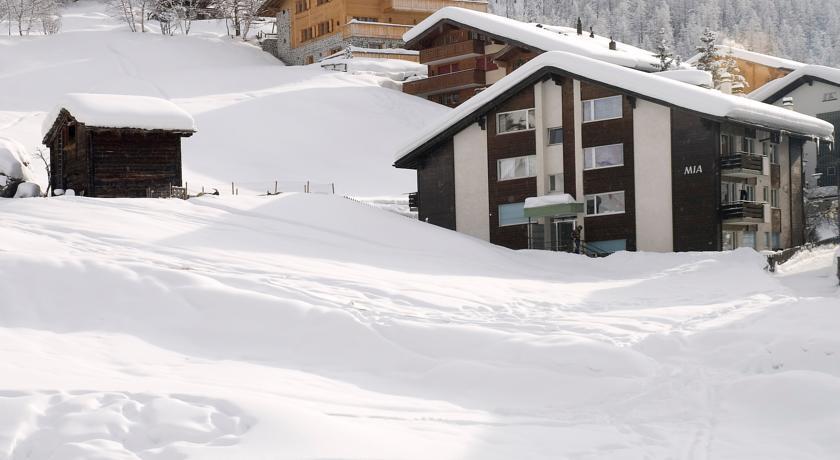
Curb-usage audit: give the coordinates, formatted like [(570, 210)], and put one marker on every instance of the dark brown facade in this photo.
[(695, 196), (509, 145), (110, 162), (436, 186), (621, 178)]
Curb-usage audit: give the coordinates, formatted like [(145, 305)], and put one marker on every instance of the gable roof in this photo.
[(120, 111), (774, 90), (751, 56), (534, 36), (706, 102)]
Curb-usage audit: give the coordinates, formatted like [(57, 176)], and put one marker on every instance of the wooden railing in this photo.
[(431, 6), (741, 211), (445, 82), (750, 163), (374, 30), (452, 52)]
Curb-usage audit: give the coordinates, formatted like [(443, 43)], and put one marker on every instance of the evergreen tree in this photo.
[(730, 66), (709, 56), (664, 53)]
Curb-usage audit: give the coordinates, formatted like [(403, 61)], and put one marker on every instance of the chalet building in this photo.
[(467, 51), (758, 69), (813, 90), (640, 161), (104, 145), (310, 30)]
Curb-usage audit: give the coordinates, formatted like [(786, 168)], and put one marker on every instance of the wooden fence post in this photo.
[(232, 190)]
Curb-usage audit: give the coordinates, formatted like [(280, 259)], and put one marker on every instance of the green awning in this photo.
[(555, 210)]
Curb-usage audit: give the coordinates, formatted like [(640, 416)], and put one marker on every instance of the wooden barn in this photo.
[(104, 145)]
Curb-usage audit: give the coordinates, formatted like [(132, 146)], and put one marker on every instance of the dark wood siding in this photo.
[(569, 128), (621, 178), (696, 196), (127, 163), (436, 186), (797, 204), (510, 191)]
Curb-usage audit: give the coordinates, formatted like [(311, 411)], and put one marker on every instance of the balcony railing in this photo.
[(430, 6), (451, 52), (374, 30), (742, 212), (445, 83), (742, 165)]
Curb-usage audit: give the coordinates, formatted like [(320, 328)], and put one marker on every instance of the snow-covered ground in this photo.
[(307, 326), (258, 121)]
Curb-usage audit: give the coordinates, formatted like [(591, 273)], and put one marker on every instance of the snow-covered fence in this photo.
[(167, 192), (397, 205), (264, 187), (778, 258)]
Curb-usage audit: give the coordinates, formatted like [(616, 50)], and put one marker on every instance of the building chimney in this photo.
[(591, 32), (579, 27), (788, 103), (612, 44), (725, 85)]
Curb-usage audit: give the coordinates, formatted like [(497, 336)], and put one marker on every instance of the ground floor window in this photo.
[(776, 240), (728, 240), (606, 246), (512, 214)]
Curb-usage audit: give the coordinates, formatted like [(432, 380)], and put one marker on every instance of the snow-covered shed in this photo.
[(105, 145)]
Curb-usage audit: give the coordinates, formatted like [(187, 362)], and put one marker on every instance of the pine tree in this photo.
[(709, 56), (663, 53), (730, 65)]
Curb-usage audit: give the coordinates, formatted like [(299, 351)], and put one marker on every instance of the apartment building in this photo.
[(640, 161), (310, 30), (467, 50), (813, 90)]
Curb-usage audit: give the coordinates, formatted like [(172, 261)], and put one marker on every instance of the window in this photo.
[(512, 214), (728, 240), (732, 192), (777, 240), (605, 108), (766, 194), (774, 198), (555, 136), (747, 240), (830, 171), (768, 243), (555, 183), (517, 168), (605, 203), (518, 120), (770, 149), (727, 145), (604, 156), (748, 145)]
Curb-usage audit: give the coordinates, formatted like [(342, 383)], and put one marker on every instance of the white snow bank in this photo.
[(691, 76), (28, 190), (770, 88), (540, 36), (12, 157), (548, 200), (121, 111), (702, 100)]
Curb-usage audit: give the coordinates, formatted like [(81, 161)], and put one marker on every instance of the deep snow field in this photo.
[(309, 326), (258, 121)]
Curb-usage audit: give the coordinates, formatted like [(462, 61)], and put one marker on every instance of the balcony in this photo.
[(742, 213), (374, 30), (445, 83), (742, 165), (430, 6), (452, 52)]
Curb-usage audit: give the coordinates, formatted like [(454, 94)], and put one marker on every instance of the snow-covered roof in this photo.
[(691, 76), (752, 56), (646, 85), (829, 74), (121, 111), (540, 36)]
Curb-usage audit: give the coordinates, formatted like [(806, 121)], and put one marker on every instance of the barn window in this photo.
[(71, 133)]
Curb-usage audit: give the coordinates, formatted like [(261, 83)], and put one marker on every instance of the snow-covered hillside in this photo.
[(258, 121), (311, 326)]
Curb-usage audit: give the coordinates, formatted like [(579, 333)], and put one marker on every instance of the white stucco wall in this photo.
[(552, 101), (652, 174), (471, 187)]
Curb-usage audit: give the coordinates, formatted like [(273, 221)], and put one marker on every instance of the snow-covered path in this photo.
[(309, 326)]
